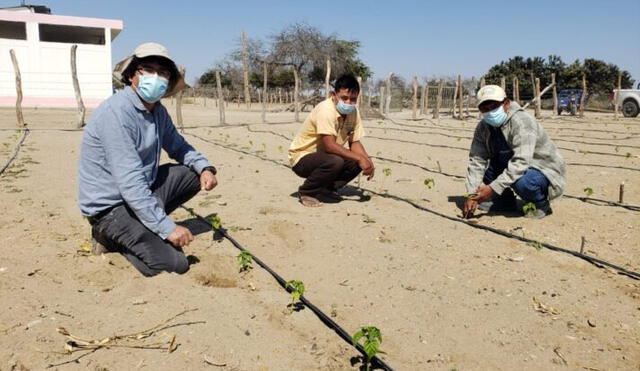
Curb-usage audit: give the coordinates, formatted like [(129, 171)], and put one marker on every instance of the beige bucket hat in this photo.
[(148, 50), (491, 92)]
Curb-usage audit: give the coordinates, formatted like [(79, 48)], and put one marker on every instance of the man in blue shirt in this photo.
[(123, 192)]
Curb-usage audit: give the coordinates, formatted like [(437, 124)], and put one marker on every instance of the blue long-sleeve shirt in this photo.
[(120, 155)]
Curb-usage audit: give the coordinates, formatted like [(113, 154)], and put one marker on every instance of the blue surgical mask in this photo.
[(495, 118), (152, 88), (345, 108)]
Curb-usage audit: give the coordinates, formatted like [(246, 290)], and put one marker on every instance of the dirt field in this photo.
[(444, 294)]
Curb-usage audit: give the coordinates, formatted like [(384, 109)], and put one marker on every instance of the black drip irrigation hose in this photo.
[(604, 202), (590, 259), (595, 261), (344, 335), (605, 166), (418, 166), (16, 149)]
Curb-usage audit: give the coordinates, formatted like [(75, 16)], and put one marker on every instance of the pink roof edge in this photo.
[(10, 15)]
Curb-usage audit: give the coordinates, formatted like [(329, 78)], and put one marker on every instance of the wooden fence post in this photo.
[(583, 98), (555, 95), (296, 90), (76, 87), (387, 105), (414, 110), (455, 99), (220, 98), (460, 97), (180, 94), (16, 69), (436, 109), (503, 83), (381, 100), (422, 94), (265, 93), (426, 97), (616, 94), (538, 101), (327, 78), (361, 95), (245, 69)]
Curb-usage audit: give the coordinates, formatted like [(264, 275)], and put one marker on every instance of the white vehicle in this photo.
[(629, 100)]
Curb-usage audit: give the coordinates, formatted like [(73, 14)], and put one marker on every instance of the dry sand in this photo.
[(445, 295)]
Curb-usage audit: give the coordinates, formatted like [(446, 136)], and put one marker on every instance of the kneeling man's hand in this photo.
[(484, 193), (180, 236), (208, 181), (367, 167)]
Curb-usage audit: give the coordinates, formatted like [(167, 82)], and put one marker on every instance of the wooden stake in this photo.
[(583, 242), (296, 103), (455, 99), (503, 83), (536, 91), (381, 100), (439, 168), (359, 101), (220, 98), (616, 94), (621, 195), (555, 95), (327, 77), (265, 93), (182, 71), (514, 84), (76, 87), (245, 69), (422, 94), (387, 105), (414, 111), (16, 69), (436, 110), (460, 98), (426, 98), (517, 90), (583, 98)]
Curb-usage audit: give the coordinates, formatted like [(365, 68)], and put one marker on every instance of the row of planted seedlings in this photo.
[(429, 183), (367, 340)]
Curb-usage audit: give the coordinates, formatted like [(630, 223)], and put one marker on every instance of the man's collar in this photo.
[(134, 98)]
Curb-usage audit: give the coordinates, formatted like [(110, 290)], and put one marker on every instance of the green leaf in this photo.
[(429, 182), (529, 208), (588, 191), (215, 221), (386, 171)]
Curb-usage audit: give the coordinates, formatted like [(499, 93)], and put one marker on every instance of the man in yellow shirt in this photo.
[(318, 154)]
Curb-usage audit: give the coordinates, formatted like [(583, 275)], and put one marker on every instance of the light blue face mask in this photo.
[(495, 118), (345, 108), (152, 88)]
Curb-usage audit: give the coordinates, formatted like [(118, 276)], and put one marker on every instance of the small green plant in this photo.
[(529, 208), (371, 344), (280, 149), (216, 222), (429, 182), (628, 155), (251, 143), (536, 245), (245, 260), (386, 171), (297, 290), (588, 191)]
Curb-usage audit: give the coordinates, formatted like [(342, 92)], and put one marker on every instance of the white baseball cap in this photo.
[(148, 50), (491, 92)]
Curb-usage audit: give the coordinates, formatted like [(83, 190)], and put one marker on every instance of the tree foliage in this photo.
[(601, 77), (298, 46)]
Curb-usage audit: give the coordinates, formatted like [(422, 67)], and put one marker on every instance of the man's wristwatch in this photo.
[(212, 169)]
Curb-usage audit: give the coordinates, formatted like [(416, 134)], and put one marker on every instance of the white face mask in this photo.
[(495, 118)]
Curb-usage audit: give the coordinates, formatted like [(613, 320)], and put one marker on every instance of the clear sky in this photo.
[(421, 38)]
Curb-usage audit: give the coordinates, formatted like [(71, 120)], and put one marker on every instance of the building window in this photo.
[(13, 30), (71, 34)]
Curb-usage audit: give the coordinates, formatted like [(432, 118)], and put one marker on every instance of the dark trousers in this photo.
[(324, 172), (532, 186), (120, 230)]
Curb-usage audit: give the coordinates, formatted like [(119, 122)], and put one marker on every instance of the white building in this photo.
[(42, 44)]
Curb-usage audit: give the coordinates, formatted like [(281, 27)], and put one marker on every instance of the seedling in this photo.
[(536, 245), (386, 171), (280, 149), (297, 290), (429, 182), (215, 221), (371, 344), (529, 208), (588, 191), (245, 259)]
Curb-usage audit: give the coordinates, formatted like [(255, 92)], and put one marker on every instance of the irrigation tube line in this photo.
[(13, 156), (590, 259), (375, 361), (595, 261)]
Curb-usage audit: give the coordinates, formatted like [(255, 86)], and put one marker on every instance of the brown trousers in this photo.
[(324, 172)]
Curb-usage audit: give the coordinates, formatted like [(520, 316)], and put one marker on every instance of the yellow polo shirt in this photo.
[(324, 119)]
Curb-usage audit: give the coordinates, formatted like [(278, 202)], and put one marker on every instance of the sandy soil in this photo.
[(445, 295)]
